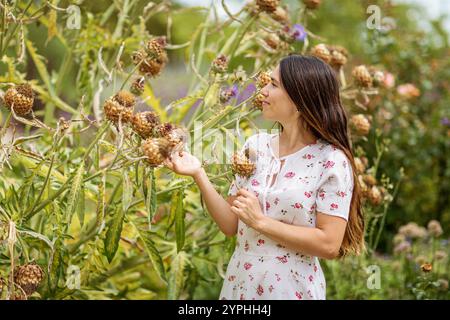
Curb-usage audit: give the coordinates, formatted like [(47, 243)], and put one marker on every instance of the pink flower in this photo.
[(408, 90), (260, 290), (308, 194), (255, 182), (267, 205), (242, 297), (271, 288), (276, 200), (322, 195), (329, 164), (315, 268), (246, 246), (260, 242), (277, 276), (231, 278), (298, 295), (289, 174), (389, 80), (308, 156), (297, 205), (311, 278), (282, 259), (334, 206), (341, 193), (247, 265), (256, 193), (241, 231)]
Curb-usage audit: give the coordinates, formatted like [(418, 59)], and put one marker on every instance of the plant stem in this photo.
[(11, 34)]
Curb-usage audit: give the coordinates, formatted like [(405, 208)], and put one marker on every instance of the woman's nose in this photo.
[(264, 91)]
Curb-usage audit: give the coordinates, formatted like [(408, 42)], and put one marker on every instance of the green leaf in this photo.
[(179, 222), (40, 66), (74, 194), (37, 236), (173, 210), (113, 233), (81, 206), (150, 200), (56, 265), (101, 202), (52, 29), (176, 276), (153, 253), (127, 193)]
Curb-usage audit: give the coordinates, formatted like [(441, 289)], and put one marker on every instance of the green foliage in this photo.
[(143, 232)]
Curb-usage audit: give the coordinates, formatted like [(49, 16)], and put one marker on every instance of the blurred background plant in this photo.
[(82, 218)]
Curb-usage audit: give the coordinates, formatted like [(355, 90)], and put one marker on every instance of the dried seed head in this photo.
[(434, 228), (280, 15), (337, 59), (143, 123), (312, 4), (426, 267), (120, 105), (137, 87), (370, 179), (362, 76), (268, 6), (155, 48), (176, 136), (321, 51), (442, 284), (28, 277), (63, 124), (441, 255), (125, 99), (156, 150), (258, 101), (360, 167), (241, 164), (220, 64), (138, 56), (378, 77), (21, 98), (263, 79), (412, 230), (227, 93), (163, 129), (360, 124), (152, 67), (375, 196), (272, 40)]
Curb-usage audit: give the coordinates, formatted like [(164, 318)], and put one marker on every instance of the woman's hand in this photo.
[(247, 208), (183, 163)]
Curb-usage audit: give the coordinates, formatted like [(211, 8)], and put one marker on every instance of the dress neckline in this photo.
[(291, 154)]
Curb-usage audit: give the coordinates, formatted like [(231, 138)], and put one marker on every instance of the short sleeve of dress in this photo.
[(238, 180), (335, 188)]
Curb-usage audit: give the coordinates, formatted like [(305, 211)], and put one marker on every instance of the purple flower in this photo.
[(246, 93), (234, 90), (299, 32), (445, 121)]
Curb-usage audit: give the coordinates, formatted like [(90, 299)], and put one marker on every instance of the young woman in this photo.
[(301, 203)]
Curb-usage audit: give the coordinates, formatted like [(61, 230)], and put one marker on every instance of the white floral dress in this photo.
[(317, 177)]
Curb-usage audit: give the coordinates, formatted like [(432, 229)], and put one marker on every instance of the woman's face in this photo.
[(279, 106)]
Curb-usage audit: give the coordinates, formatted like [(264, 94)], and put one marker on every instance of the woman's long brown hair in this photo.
[(314, 88)]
